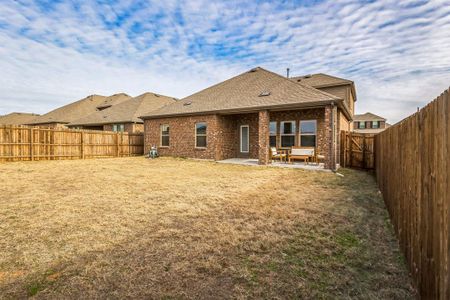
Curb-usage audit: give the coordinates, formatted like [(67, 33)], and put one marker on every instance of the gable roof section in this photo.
[(127, 111), (78, 109), (249, 91), (368, 117), (321, 80), (17, 118)]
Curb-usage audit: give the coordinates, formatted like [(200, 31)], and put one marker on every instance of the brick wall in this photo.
[(223, 133), (182, 136)]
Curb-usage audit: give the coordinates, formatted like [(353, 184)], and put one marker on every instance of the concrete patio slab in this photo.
[(254, 162)]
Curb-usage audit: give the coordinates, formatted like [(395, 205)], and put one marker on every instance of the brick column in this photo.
[(263, 137), (330, 145)]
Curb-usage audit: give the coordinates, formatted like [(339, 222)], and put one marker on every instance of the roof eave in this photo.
[(304, 105)]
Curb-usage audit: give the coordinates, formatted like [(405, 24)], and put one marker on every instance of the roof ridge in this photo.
[(305, 85)]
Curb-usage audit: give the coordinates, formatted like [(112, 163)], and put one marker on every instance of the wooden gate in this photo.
[(357, 150)]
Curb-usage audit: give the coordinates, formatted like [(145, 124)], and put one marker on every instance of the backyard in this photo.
[(177, 228)]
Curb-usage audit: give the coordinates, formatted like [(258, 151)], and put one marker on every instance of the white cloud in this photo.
[(397, 52)]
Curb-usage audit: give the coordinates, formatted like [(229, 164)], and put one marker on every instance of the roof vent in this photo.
[(264, 93), (187, 103), (253, 70), (307, 76), (156, 95)]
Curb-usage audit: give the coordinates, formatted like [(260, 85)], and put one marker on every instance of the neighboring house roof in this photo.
[(78, 109), (321, 80), (368, 117), (17, 118), (250, 91), (126, 112)]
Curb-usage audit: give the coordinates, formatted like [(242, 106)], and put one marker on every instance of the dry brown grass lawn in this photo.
[(174, 228)]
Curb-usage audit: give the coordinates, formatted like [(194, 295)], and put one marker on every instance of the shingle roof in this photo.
[(368, 117), (78, 109), (17, 118), (245, 92), (127, 111), (321, 80)]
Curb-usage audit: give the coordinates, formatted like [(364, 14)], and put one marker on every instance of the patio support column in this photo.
[(263, 137), (330, 142)]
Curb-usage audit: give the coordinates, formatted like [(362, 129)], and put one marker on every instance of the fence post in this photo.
[(31, 144), (82, 145), (117, 144), (351, 148), (364, 151)]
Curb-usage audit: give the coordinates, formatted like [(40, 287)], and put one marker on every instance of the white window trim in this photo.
[(248, 138), (287, 134), (161, 135), (362, 122), (196, 135), (300, 132), (378, 124)]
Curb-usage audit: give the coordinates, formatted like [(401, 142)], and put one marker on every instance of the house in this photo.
[(242, 116), (60, 117), (17, 118), (337, 86), (123, 116), (369, 123)]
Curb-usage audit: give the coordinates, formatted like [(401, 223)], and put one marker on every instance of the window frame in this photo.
[(197, 135), (248, 138), (274, 133), (376, 122), (287, 134), (117, 126), (161, 135), (300, 134), (363, 125)]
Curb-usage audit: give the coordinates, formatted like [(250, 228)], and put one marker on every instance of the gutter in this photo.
[(248, 109)]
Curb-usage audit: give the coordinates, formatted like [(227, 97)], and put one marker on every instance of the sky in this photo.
[(55, 52)]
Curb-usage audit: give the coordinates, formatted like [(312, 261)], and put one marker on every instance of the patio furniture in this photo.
[(277, 154), (302, 153)]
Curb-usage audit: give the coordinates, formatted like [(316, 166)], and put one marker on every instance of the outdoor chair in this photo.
[(302, 153), (275, 154)]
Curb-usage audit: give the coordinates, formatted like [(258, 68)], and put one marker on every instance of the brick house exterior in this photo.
[(223, 134), (221, 109)]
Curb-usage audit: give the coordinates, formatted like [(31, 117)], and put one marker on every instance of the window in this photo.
[(308, 132), (375, 124), (164, 135), (118, 127), (244, 138), (200, 135), (273, 134), (287, 132), (362, 125)]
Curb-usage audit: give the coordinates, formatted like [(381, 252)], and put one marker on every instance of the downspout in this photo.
[(332, 146)]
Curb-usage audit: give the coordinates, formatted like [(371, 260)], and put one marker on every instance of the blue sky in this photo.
[(55, 52)]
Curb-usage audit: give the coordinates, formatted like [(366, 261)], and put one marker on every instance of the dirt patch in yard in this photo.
[(174, 228)]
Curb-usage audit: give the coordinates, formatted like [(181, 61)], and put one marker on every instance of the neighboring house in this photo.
[(244, 115), (17, 118), (339, 87), (60, 117), (369, 123), (123, 116)]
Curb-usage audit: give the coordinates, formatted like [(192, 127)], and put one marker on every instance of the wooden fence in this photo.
[(357, 150), (32, 143), (412, 169)]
